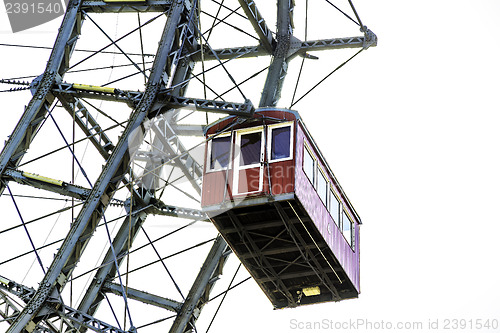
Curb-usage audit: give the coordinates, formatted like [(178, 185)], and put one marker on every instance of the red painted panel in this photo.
[(215, 186), (249, 180), (272, 114), (282, 177)]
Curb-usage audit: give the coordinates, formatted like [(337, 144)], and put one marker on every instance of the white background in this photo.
[(411, 130)]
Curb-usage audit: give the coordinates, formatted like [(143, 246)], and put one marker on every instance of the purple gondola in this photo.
[(272, 196)]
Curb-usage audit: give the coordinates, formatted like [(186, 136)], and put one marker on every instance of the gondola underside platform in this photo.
[(283, 250)]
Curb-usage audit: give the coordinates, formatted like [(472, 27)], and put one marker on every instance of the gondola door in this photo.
[(249, 161)]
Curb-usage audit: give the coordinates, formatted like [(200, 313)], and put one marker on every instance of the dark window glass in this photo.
[(322, 187), (334, 207), (219, 157), (280, 143), (250, 148), (308, 165)]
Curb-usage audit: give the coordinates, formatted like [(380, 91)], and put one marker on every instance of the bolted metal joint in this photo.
[(370, 38), (283, 45)]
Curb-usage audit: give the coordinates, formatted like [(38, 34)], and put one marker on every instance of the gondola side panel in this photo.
[(216, 183)]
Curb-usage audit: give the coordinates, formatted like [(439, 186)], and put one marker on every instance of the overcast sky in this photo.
[(411, 130)]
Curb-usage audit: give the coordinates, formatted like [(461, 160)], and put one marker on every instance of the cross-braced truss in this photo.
[(103, 144)]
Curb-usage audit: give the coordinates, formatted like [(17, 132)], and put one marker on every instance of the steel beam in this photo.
[(8, 310), (92, 297), (297, 48), (259, 24), (174, 147), (82, 193), (175, 211), (189, 130), (306, 252), (125, 235), (177, 83), (144, 297), (114, 171), (21, 291), (245, 109), (67, 90), (286, 276), (87, 124), (211, 268), (82, 319), (252, 247), (240, 52), (274, 251), (337, 43), (279, 64), (107, 269), (131, 226), (47, 184), (93, 131), (102, 6), (69, 97), (24, 293)]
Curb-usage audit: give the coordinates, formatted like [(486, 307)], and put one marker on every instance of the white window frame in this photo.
[(270, 137), (333, 196), (321, 173), (237, 152), (209, 153), (315, 162), (350, 241)]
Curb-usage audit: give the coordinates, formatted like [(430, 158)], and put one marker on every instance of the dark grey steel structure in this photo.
[(181, 46)]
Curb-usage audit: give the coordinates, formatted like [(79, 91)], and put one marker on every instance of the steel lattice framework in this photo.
[(155, 118)]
